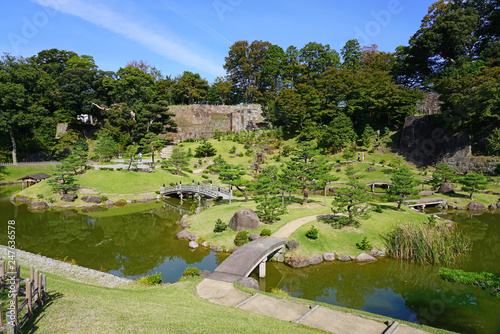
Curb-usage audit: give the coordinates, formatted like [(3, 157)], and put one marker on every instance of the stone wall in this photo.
[(196, 121), (430, 104), (426, 142)]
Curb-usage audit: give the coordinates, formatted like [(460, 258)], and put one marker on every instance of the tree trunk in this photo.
[(471, 196), (152, 156), (14, 146), (306, 196), (243, 192), (399, 205)]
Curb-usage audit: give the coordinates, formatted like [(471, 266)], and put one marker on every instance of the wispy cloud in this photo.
[(104, 17)]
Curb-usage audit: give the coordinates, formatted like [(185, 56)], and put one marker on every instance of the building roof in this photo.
[(38, 177)]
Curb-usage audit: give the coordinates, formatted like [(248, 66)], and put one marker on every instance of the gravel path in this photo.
[(287, 230), (66, 270)]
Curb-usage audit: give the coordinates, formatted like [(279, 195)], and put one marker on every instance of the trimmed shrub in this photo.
[(312, 233), (191, 272), (378, 208), (265, 232), (484, 280), (241, 238), (364, 244), (153, 279), (219, 226)]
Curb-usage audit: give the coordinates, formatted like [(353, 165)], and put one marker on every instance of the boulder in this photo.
[(204, 273), (373, 252), (498, 205), (69, 197), (204, 243), (218, 249), (249, 282), (364, 257), (254, 236), (449, 227), (244, 219), (184, 218), (184, 225), (446, 188), (146, 199), (21, 199), (459, 208), (193, 237), (92, 199), (337, 166), (329, 257), (370, 169), (345, 258), (492, 206), (425, 193), (38, 206), (381, 254), (292, 244), (315, 260), (183, 235), (109, 202), (193, 244), (476, 206), (297, 261)]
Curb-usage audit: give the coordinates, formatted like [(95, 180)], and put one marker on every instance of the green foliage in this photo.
[(179, 159), (106, 146), (241, 238), (494, 141), (233, 175), (338, 135), (472, 183), (378, 209), (153, 279), (351, 200), (443, 173), (278, 291), (368, 137), (205, 149), (312, 233), (232, 150), (364, 244), (191, 272), (220, 226), (402, 187), (484, 280), (63, 178), (265, 233), (497, 169), (424, 243), (270, 203), (150, 143), (104, 198)]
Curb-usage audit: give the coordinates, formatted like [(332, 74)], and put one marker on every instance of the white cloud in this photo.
[(104, 17)]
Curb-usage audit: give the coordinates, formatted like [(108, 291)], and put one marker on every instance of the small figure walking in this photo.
[(359, 157), (363, 156), (140, 157), (161, 155)]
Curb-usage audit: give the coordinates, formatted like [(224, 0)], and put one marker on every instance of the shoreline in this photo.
[(67, 270)]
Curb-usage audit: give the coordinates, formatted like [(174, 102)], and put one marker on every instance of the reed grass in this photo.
[(426, 243)]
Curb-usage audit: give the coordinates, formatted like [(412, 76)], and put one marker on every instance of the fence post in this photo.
[(37, 286), (44, 284), (32, 273), (2, 275), (40, 289), (16, 311), (1, 316), (28, 295)]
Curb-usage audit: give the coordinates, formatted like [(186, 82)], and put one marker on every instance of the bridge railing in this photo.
[(210, 190)]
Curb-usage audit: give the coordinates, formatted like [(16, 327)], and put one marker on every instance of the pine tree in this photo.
[(402, 187), (351, 200), (129, 155), (205, 149), (232, 175), (106, 146), (63, 178), (443, 173), (178, 159), (306, 168), (473, 182), (270, 205), (151, 142)]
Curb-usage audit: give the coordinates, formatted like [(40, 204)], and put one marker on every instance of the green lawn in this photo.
[(203, 223), (172, 308), (343, 241), (12, 173)]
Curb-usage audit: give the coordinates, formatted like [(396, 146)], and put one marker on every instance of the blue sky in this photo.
[(195, 35)]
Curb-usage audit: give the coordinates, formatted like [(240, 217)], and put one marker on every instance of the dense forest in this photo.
[(314, 92)]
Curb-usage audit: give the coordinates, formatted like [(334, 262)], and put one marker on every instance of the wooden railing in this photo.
[(32, 296)]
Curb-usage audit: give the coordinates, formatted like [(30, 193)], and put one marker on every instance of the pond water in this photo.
[(137, 244)]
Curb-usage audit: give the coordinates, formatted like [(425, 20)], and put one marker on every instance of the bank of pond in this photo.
[(140, 243)]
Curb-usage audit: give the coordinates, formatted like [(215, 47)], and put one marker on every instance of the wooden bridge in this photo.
[(378, 183), (245, 259), (209, 191), (422, 203)]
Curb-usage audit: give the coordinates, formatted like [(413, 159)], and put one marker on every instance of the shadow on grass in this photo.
[(31, 325), (337, 222), (3, 171)]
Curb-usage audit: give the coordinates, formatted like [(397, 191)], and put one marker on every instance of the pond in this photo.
[(134, 244)]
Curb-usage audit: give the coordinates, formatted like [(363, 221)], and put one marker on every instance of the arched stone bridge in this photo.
[(245, 259), (209, 191)]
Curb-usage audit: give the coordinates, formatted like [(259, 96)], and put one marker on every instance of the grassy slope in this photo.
[(173, 308), (12, 173)]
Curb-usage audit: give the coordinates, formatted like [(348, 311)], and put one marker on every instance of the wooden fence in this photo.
[(32, 296)]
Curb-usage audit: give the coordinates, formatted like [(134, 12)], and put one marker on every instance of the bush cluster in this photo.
[(241, 238)]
